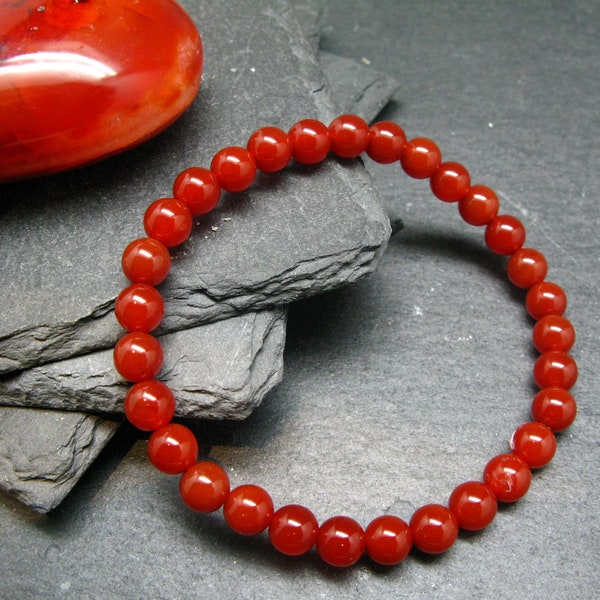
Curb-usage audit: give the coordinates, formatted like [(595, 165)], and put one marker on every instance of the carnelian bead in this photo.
[(554, 407), (169, 221), (293, 530), (508, 476), (271, 149), (146, 261), (387, 142), (421, 158), (248, 509), (553, 332), (341, 541), (140, 307), (204, 486), (534, 443), (349, 136), (545, 298), (310, 141), (234, 167), (138, 356), (479, 206), (388, 540), (172, 449), (450, 182), (149, 405), (555, 369), (526, 267), (473, 504), (434, 528), (198, 188), (504, 235)]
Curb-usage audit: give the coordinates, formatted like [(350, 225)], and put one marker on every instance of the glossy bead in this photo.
[(138, 356), (534, 443), (504, 235), (234, 167), (545, 298), (555, 369), (434, 528), (149, 405), (554, 407), (198, 188), (146, 261), (479, 206), (526, 267), (387, 142), (204, 486), (140, 307), (310, 141), (450, 182), (169, 221), (349, 136), (474, 505), (172, 449), (248, 509), (553, 332), (293, 530), (271, 149), (508, 476), (388, 540), (421, 158), (341, 541)]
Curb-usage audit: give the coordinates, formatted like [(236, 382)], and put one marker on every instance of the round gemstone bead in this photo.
[(553, 332), (204, 486), (450, 182), (479, 206), (421, 158), (387, 142), (434, 528), (508, 476), (198, 188), (527, 267), (545, 298), (310, 141), (138, 356), (474, 505), (139, 307), (169, 221), (341, 541), (149, 405), (234, 167), (534, 443), (248, 509), (349, 136), (146, 261), (504, 235), (172, 449), (554, 407), (271, 149), (293, 530), (555, 369), (388, 540)]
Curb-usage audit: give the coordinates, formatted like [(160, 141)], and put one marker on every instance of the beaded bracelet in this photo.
[(293, 529)]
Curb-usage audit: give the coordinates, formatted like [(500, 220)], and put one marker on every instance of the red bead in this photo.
[(149, 405), (474, 505), (172, 449), (479, 206), (450, 182), (198, 188), (169, 221), (341, 541), (388, 540), (527, 267), (146, 261), (545, 298), (387, 142), (310, 141), (248, 509), (421, 158), (534, 443), (349, 136), (234, 167), (293, 530), (504, 235), (508, 476), (271, 148), (139, 307), (554, 407), (434, 528), (553, 332), (138, 356), (204, 486), (555, 369)]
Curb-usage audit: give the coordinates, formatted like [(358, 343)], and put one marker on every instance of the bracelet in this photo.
[(248, 509)]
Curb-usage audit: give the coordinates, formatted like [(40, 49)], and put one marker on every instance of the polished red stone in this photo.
[(173, 448), (341, 541), (527, 267), (198, 188), (169, 221), (349, 136), (388, 540), (310, 141), (138, 356), (508, 476), (473, 504), (434, 528), (421, 158), (204, 486), (293, 530), (146, 260), (234, 168), (387, 142), (504, 235), (535, 443), (479, 206), (555, 369), (554, 407), (271, 148), (248, 509), (83, 80), (451, 182), (545, 298), (140, 307), (149, 405), (553, 332)]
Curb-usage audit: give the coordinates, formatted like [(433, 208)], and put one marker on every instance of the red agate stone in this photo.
[(80, 81)]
